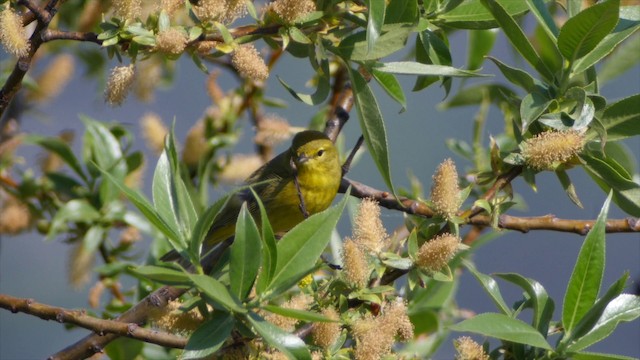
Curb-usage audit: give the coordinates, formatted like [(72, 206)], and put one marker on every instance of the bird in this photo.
[(299, 182)]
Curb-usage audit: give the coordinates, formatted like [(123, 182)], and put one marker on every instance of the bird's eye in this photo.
[(320, 152)]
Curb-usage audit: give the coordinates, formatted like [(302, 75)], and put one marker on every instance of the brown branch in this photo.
[(99, 326), (40, 14), (500, 183), (14, 81), (51, 35), (138, 314), (507, 222)]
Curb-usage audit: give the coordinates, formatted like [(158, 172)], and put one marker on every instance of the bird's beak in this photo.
[(302, 158)]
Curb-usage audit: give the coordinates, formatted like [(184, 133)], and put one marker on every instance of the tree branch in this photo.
[(51, 35), (99, 326), (507, 222)]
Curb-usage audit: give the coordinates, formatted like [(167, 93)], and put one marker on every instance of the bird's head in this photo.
[(312, 149)]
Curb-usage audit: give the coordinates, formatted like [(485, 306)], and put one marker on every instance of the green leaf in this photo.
[(170, 195), (300, 248), (568, 187), (592, 316), (515, 76), (503, 327), (60, 148), (431, 49), (107, 153), (322, 91), (476, 94), (162, 275), (76, 211), (355, 47), (586, 277), (375, 21), (622, 118), (604, 48), (415, 68), (599, 356), (303, 315), (609, 175), (517, 37), (624, 308), (93, 238), (472, 15), (491, 287), (539, 10), (401, 11), (269, 247), (292, 346), (543, 305), (217, 292), (204, 223), (583, 32), (245, 254), (372, 125), (479, 45), (209, 337), (391, 86), (532, 107)]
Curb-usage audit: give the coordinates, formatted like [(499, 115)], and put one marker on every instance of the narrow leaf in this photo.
[(414, 68), (491, 287), (374, 22), (583, 32), (217, 292), (585, 280), (392, 87), (245, 254), (292, 346), (503, 327), (372, 125), (301, 247), (517, 37), (209, 337), (543, 305)]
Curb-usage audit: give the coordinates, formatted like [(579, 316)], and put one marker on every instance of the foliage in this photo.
[(246, 300)]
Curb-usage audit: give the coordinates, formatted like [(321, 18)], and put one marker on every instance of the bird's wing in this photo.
[(263, 181)]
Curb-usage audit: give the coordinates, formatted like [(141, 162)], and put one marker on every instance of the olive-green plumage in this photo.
[(313, 159)]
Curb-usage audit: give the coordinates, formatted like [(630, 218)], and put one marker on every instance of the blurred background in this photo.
[(31, 267)]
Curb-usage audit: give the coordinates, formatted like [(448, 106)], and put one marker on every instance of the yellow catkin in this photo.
[(127, 9), (213, 89), (130, 235), (551, 148), (170, 6), (206, 47), (195, 144), (149, 75), (239, 167), (326, 333), (395, 313), (172, 318), (272, 130), (234, 9), (15, 216), (119, 84), (153, 131), (436, 253), (13, 35), (375, 336), (355, 266), (53, 80), (210, 10), (467, 349), (249, 63), (368, 231), (291, 11), (90, 15), (445, 193), (171, 41), (80, 265), (298, 302), (95, 293)]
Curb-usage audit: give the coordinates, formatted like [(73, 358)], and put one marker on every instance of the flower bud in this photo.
[(445, 193), (13, 35), (434, 254), (468, 349), (119, 84), (249, 63), (549, 149), (290, 11)]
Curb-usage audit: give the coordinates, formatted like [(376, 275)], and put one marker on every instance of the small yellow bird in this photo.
[(312, 159)]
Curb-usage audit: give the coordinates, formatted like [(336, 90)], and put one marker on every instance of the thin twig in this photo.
[(347, 163), (99, 326), (51, 35), (507, 222)]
